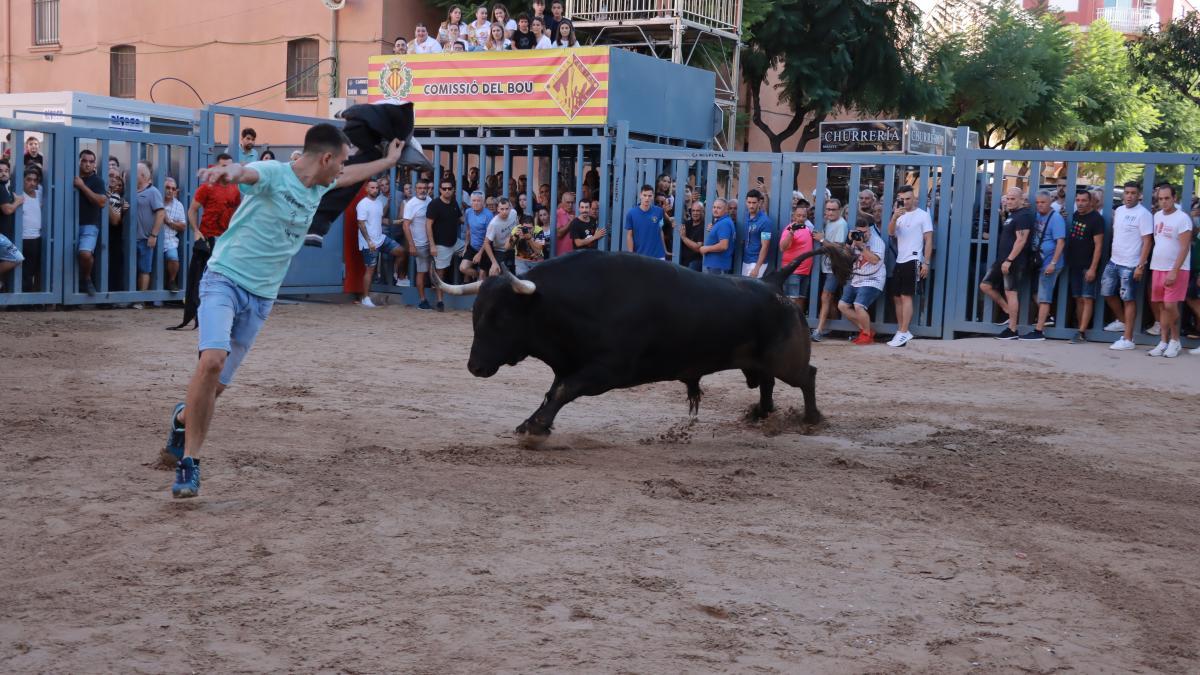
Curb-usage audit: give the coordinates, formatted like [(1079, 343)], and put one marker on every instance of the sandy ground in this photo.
[(365, 509)]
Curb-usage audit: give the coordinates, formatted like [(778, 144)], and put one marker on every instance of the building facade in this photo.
[(1127, 16), (222, 49)]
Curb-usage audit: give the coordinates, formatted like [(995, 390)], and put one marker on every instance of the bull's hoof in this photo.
[(757, 412), (813, 416), (532, 434)]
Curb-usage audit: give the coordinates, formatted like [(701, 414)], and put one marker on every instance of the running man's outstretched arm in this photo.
[(235, 173), (357, 173)]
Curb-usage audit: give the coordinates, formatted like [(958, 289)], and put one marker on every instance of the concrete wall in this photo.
[(223, 48)]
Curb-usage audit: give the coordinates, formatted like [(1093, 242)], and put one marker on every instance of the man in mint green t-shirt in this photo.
[(246, 269)]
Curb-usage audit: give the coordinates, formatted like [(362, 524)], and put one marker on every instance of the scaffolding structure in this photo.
[(700, 33)]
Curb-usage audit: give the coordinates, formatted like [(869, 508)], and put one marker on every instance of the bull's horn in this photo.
[(521, 286), (455, 289)]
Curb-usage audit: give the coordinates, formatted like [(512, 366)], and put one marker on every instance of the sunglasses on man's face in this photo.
[(446, 188)]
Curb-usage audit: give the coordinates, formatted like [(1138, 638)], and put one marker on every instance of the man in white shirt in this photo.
[(913, 229), (1133, 226), (174, 222), (417, 234), (422, 43), (867, 283), (1170, 268), (371, 238), (495, 245)]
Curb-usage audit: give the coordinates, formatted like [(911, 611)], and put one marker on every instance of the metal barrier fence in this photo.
[(733, 174), (57, 278), (976, 224)]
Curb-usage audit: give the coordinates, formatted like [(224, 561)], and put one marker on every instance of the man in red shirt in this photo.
[(218, 201)]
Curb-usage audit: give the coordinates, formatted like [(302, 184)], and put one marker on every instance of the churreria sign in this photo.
[(544, 87), (881, 136)]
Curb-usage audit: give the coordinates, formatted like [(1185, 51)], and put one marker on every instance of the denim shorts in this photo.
[(796, 285), (863, 296), (88, 235), (1118, 277), (171, 254), (1078, 284), (1046, 285), (9, 252), (830, 283), (996, 278), (715, 270), (230, 318), (371, 258), (145, 256)]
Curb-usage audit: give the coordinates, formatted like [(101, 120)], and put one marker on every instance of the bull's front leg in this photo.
[(539, 424)]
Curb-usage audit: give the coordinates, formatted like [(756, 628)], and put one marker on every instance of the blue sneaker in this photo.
[(424, 304), (187, 478), (174, 450)]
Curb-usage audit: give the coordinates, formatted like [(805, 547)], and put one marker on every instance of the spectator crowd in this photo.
[(492, 29)]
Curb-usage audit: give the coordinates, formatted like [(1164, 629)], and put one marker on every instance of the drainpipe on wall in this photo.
[(8, 47), (333, 52)]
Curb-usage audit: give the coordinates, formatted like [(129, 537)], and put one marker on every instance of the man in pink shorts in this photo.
[(1170, 268)]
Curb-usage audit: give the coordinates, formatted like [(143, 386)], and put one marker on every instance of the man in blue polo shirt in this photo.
[(718, 240), (477, 219), (643, 227), (246, 269), (759, 230)]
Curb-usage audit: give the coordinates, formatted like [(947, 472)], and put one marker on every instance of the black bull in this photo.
[(605, 321)]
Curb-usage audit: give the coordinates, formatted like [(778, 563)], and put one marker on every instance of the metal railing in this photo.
[(1128, 19), (45, 22), (719, 14)]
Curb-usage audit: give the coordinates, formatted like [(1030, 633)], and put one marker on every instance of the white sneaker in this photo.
[(1195, 351), (366, 302), (900, 339), (1158, 350), (1122, 345), (1173, 349), (1154, 330), (1117, 326), (403, 282)]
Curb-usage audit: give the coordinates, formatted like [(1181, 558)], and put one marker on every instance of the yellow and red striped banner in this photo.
[(512, 88)]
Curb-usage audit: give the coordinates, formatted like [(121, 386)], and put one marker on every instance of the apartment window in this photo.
[(122, 71), (45, 22), (301, 68)]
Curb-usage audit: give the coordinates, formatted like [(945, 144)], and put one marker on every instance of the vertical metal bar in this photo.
[(508, 173), (889, 189), (578, 174), (1035, 179), (437, 168), (530, 176), (158, 179), (818, 196), (553, 205), (741, 181), (102, 246), (677, 244), (923, 188), (130, 223), (603, 190), (1148, 186)]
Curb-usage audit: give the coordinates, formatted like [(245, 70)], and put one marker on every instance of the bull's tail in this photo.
[(839, 259)]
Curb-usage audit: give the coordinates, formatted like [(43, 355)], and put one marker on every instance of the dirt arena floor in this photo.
[(365, 509)]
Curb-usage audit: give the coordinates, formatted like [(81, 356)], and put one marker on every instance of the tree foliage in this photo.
[(831, 55), (1003, 73), (1104, 104), (1172, 56)]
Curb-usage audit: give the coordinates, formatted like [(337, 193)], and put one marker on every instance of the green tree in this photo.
[(1004, 71), (1172, 56), (1104, 102), (831, 55)]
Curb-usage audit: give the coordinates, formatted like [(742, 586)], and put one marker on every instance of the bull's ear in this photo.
[(520, 286)]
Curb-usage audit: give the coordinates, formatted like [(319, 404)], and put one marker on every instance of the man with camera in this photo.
[(797, 239), (913, 229), (867, 283), (834, 232)]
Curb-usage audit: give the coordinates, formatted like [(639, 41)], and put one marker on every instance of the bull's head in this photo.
[(500, 319)]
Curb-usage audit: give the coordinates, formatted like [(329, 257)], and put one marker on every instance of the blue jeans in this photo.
[(1046, 285), (863, 296), (715, 270), (9, 252), (1117, 278), (1078, 284), (371, 258), (797, 285), (230, 318), (145, 256), (830, 284), (88, 236)]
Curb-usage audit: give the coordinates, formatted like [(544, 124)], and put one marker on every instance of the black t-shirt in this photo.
[(1021, 219), (694, 231), (8, 224), (446, 219), (582, 230), (89, 213), (1080, 243), (551, 24), (526, 40)]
